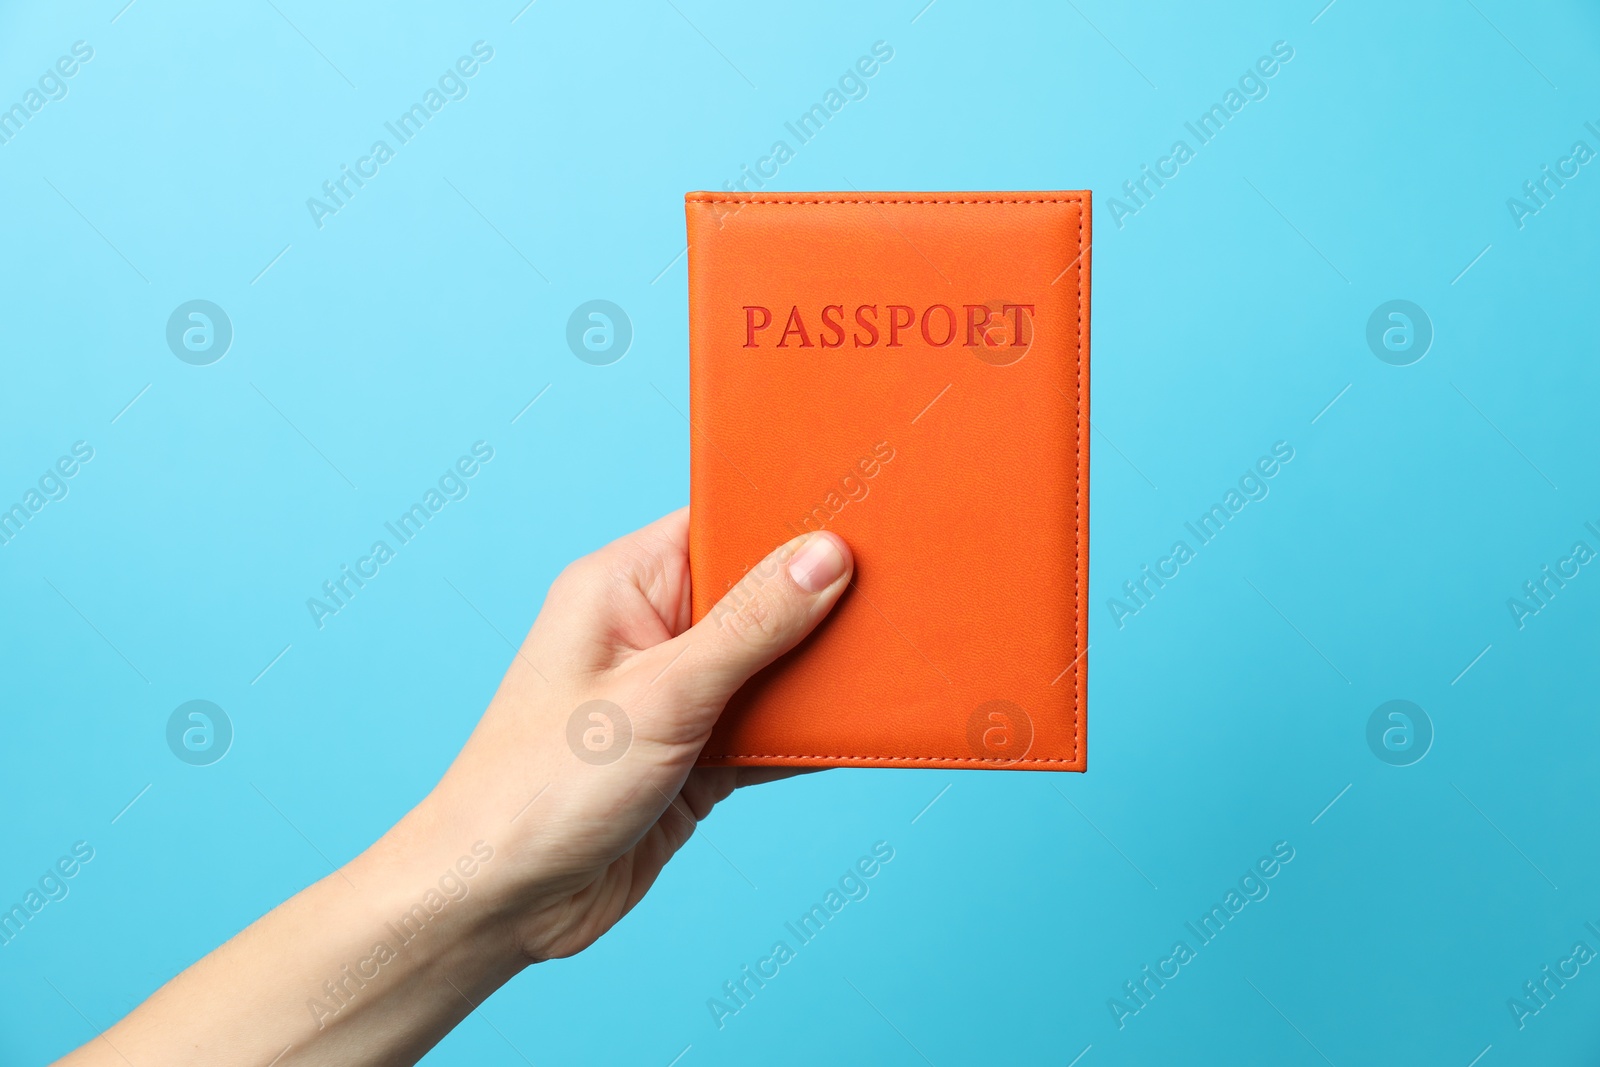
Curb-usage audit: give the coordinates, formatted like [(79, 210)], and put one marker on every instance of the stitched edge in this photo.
[(1077, 481), (900, 759), (879, 200), (1079, 541)]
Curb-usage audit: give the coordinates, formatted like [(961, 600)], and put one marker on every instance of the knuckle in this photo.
[(754, 619), (574, 578)]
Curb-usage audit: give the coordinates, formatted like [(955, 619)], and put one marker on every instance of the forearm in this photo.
[(576, 788), (371, 965)]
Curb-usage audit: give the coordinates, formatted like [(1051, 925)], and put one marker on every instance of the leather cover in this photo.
[(910, 371)]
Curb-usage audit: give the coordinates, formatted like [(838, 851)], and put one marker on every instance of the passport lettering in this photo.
[(936, 324)]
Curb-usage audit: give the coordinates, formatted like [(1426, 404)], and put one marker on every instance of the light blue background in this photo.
[(1228, 313)]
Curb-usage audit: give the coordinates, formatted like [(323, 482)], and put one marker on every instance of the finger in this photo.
[(581, 602), (776, 604), (654, 559)]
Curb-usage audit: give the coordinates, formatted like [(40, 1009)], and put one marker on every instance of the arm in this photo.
[(574, 790)]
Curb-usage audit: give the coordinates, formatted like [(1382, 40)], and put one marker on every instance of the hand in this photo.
[(525, 850), (592, 835)]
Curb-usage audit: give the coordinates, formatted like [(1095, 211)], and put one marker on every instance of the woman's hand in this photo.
[(575, 789), (581, 774)]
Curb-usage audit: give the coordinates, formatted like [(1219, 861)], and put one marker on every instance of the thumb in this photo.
[(771, 609)]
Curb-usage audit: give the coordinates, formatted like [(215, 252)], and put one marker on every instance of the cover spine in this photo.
[(700, 599)]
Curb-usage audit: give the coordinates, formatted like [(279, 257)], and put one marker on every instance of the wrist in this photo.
[(438, 884)]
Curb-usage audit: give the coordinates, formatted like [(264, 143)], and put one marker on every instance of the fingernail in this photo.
[(817, 565)]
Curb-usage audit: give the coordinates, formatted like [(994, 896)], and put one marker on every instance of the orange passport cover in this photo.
[(910, 371)]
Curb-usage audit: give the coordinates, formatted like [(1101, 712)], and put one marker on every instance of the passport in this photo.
[(911, 372)]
